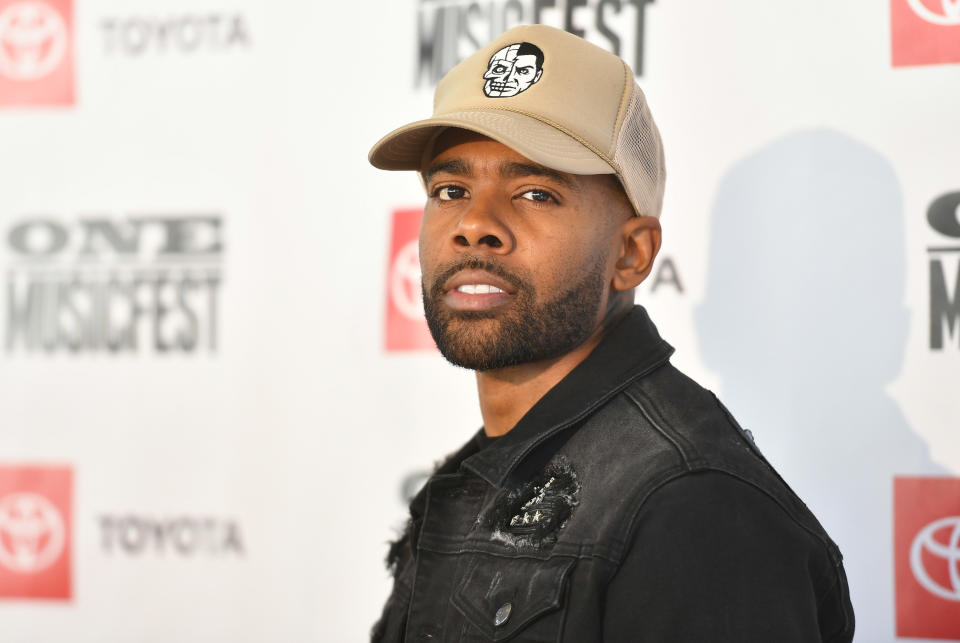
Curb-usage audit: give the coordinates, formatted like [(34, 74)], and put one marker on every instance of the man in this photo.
[(607, 497)]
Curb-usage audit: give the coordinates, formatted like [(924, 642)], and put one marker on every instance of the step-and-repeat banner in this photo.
[(217, 386)]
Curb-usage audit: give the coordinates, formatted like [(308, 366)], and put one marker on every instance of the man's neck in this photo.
[(507, 394)]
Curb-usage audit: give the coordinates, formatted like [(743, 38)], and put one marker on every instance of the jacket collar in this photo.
[(631, 349)]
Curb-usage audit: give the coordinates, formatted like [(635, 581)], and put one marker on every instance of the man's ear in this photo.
[(640, 243)]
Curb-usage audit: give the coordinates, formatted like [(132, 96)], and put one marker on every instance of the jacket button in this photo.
[(502, 614)]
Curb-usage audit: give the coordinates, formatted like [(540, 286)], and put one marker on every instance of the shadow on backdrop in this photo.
[(804, 323)]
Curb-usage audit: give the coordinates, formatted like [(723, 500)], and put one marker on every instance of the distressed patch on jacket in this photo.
[(532, 515)]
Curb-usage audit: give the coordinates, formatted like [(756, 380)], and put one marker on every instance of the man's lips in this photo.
[(477, 290)]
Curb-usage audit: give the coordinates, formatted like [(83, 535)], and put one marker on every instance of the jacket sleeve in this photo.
[(713, 558)]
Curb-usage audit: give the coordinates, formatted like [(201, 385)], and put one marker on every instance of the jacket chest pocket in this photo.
[(512, 598)]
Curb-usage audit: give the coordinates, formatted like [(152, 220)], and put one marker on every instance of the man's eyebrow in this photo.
[(515, 170), (453, 166)]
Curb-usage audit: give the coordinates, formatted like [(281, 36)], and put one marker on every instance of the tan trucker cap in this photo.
[(554, 98)]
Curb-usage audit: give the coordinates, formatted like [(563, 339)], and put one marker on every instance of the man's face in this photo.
[(509, 74), (517, 259)]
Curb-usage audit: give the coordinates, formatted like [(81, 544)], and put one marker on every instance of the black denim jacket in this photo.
[(626, 505)]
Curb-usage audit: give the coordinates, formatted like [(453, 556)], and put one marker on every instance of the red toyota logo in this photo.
[(35, 532), (938, 12), (36, 52), (406, 328), (927, 556), (925, 32)]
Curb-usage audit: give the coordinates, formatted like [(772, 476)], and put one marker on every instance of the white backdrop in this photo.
[(242, 485)]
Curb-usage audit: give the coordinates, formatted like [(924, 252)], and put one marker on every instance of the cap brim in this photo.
[(403, 148)]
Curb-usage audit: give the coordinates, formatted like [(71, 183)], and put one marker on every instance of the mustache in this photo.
[(474, 263)]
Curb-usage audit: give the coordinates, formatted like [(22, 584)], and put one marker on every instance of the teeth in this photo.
[(478, 289)]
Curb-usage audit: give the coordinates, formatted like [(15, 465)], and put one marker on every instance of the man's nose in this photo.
[(480, 227)]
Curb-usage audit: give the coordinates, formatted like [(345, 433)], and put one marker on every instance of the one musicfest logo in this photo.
[(35, 528), (32, 533), (113, 285), (925, 32), (36, 61), (945, 550), (450, 30), (926, 538)]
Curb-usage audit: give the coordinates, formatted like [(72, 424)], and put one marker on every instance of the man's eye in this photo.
[(540, 196), (524, 70), (499, 69), (450, 192)]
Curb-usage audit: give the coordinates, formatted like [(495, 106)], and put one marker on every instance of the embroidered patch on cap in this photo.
[(513, 69)]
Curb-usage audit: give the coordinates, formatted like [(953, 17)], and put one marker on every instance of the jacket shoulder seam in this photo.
[(690, 460)]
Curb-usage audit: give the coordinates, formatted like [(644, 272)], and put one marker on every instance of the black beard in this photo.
[(527, 331)]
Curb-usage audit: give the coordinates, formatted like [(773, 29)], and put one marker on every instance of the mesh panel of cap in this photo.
[(638, 157)]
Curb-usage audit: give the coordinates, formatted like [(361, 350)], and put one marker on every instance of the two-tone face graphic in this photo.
[(513, 69)]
